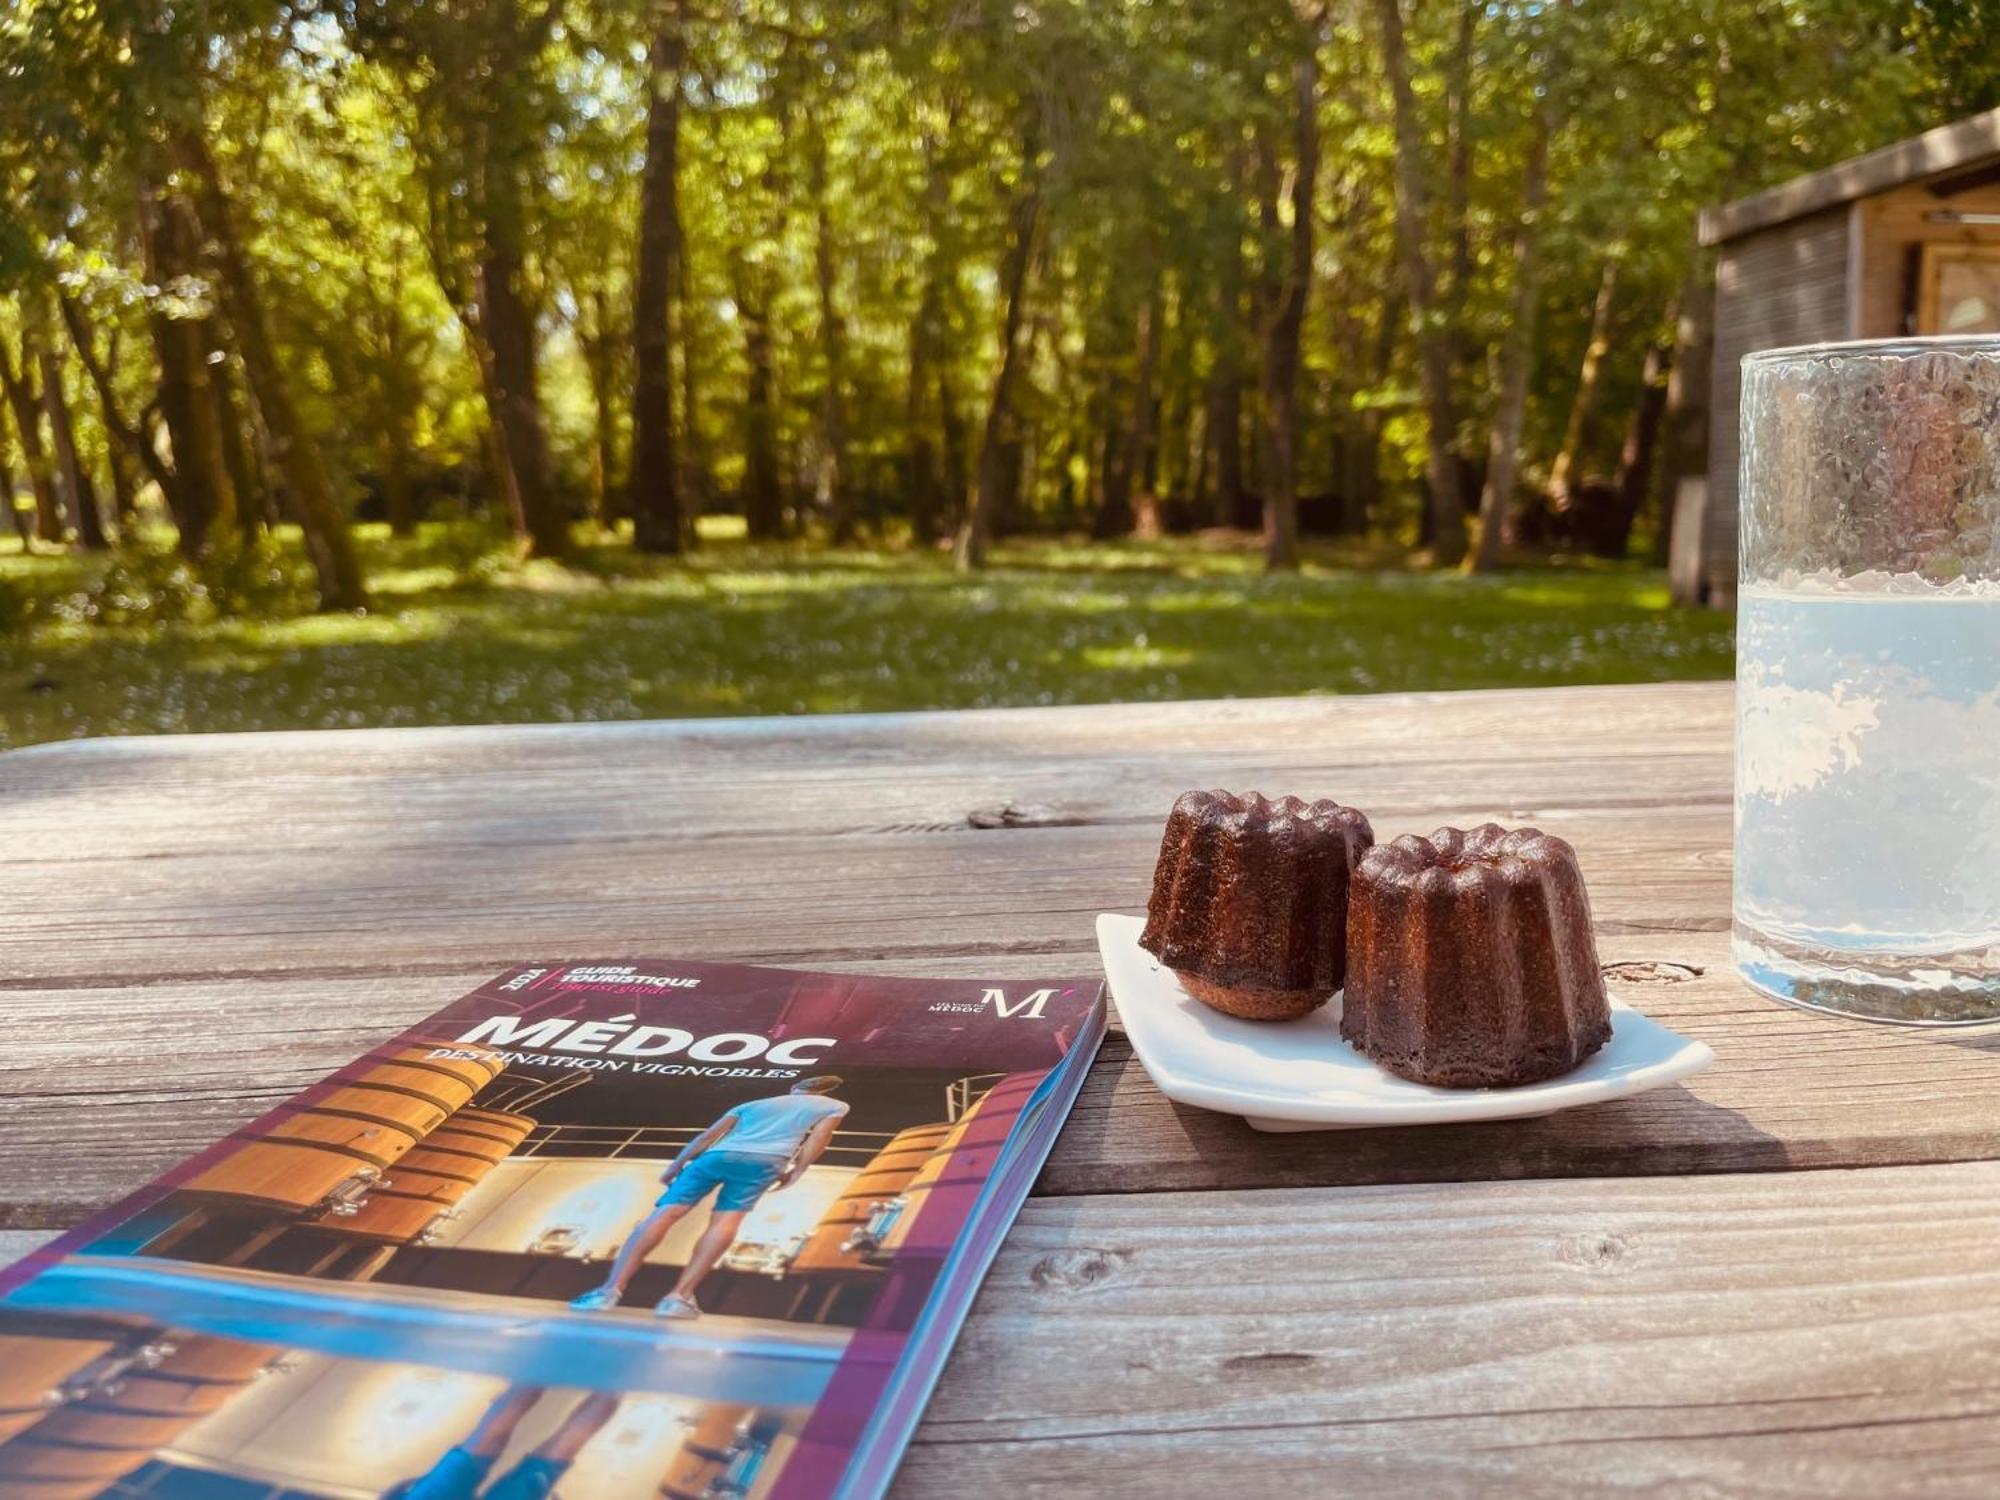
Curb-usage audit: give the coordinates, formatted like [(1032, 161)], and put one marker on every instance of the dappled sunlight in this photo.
[(465, 635)]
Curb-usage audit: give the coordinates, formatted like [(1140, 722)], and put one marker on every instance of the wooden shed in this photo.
[(1904, 240)]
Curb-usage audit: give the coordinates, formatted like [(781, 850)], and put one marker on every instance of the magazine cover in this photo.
[(598, 1230)]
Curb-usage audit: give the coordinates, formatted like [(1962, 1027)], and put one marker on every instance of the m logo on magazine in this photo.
[(1028, 1005)]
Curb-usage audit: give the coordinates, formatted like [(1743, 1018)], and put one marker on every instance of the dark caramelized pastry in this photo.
[(1249, 903), (1471, 962)]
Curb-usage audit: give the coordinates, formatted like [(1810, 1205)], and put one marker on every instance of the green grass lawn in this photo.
[(460, 635)]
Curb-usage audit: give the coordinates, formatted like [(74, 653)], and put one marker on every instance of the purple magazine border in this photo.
[(861, 1376), (822, 1460)]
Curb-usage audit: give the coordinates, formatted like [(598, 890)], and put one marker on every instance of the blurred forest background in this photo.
[(373, 361)]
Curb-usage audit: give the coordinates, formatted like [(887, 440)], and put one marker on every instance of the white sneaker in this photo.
[(672, 1306), (594, 1301)]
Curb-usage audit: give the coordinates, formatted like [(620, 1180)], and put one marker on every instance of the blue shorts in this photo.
[(743, 1177)]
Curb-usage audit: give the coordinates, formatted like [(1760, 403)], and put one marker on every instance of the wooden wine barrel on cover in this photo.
[(368, 1123), (956, 1164), (32, 1368), (435, 1174), (888, 1172), (80, 1448), (705, 1453)]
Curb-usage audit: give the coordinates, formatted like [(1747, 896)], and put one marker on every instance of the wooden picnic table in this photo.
[(1782, 1279)]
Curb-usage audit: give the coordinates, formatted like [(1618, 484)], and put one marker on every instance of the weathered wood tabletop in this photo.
[(1782, 1279)]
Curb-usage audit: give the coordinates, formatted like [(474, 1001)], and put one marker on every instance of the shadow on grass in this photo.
[(741, 630)]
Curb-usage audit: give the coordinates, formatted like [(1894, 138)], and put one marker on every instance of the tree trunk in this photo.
[(1280, 381), (832, 482), (1221, 460), (654, 493), (1562, 475), (1517, 355), (1458, 221), (328, 542), (200, 495), (993, 483), (955, 442), (1142, 437), (1223, 437), (1108, 493), (1111, 512), (254, 503), (1445, 507), (696, 485), (77, 486), (27, 408), (606, 503), (763, 488), (513, 398), (1636, 457), (133, 440), (920, 458), (24, 527), (124, 489), (398, 499), (923, 395), (1685, 421)]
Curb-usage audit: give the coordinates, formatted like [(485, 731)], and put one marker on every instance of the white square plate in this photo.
[(1300, 1075)]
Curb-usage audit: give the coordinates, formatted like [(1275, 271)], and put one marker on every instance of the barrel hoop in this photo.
[(504, 1117), (431, 1067), (378, 1194), (431, 1149), (473, 1133), (365, 1158), (372, 1158), (406, 1092), (368, 1119), (457, 1122)]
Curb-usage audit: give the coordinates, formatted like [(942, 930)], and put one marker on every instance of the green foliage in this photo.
[(1954, 45), (144, 585)]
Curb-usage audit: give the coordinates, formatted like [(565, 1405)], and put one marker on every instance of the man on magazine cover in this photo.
[(757, 1147)]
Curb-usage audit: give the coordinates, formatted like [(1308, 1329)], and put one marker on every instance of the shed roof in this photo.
[(1960, 144)]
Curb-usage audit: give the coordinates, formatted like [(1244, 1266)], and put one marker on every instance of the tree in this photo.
[(16, 376), (1517, 352), (1420, 287), (1285, 318), (653, 495), (473, 76), (321, 518), (79, 491)]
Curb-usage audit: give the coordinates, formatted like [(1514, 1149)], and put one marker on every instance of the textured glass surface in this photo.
[(1868, 679)]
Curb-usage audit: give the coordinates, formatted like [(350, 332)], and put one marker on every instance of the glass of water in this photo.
[(1868, 679)]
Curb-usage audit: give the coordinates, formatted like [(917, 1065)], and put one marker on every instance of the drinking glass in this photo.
[(1868, 679)]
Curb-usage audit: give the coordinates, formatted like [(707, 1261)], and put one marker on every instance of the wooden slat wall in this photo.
[(1892, 226), (1786, 285)]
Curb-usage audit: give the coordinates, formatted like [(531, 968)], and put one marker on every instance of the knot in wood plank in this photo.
[(1285, 1362), (1651, 971), (1595, 1250), (1077, 1270), (1018, 815)]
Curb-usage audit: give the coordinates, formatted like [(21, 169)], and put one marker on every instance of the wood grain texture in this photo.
[(120, 1083), (859, 838), (199, 927), (1822, 1334)]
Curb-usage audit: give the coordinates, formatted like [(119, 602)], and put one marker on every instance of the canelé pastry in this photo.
[(1249, 903), (1470, 959)]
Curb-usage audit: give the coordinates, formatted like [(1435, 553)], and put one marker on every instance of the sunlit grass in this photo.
[(460, 633)]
